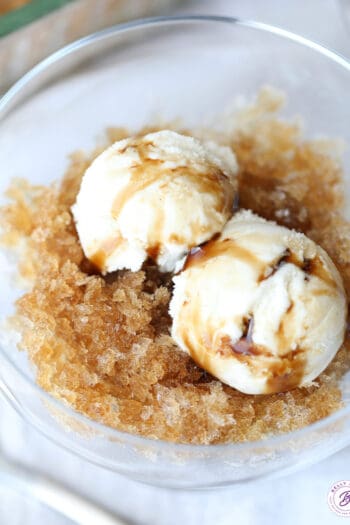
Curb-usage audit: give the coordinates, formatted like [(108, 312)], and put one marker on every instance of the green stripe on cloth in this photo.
[(27, 14)]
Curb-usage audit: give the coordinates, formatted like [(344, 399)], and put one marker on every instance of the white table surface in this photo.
[(300, 498)]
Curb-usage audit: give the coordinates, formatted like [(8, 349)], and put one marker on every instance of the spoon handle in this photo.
[(52, 494), (55, 496)]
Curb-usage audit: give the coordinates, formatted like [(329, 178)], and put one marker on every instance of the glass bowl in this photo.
[(189, 68)]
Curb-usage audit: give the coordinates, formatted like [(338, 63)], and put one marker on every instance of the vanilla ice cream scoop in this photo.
[(261, 307), (154, 196)]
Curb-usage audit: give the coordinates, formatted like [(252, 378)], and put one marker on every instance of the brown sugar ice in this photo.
[(102, 345)]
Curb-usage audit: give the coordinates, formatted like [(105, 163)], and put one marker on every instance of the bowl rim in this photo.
[(6, 100)]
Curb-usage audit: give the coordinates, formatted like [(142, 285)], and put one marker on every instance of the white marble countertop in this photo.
[(301, 497)]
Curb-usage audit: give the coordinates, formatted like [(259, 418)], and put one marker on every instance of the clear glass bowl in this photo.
[(190, 68)]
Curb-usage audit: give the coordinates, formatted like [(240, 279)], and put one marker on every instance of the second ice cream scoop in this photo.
[(156, 196), (261, 307)]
